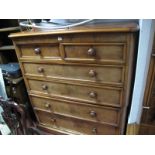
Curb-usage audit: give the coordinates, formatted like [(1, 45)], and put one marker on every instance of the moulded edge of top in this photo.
[(127, 27)]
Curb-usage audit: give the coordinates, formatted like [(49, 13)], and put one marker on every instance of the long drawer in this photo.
[(84, 111), (96, 74), (95, 95), (71, 124)]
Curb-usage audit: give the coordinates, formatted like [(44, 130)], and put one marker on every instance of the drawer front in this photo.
[(83, 111), (40, 51), (105, 74), (70, 124), (106, 52), (75, 92)]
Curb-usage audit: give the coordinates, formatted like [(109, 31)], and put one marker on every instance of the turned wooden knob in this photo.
[(92, 73), (53, 120), (47, 105), (44, 87), (92, 94), (37, 50), (92, 113), (40, 69), (94, 131), (91, 52)]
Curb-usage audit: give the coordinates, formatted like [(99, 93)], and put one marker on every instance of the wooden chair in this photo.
[(14, 116), (18, 121)]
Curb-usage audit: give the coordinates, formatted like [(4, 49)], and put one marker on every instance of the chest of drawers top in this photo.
[(111, 27)]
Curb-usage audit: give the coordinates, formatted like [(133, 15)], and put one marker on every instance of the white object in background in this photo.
[(147, 27), (33, 25), (2, 87), (4, 129), (2, 94)]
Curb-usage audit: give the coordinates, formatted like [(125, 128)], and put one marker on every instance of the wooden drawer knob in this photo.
[(93, 94), (44, 87), (47, 105), (94, 131), (37, 50), (53, 120), (92, 73), (92, 113), (91, 52), (40, 70)]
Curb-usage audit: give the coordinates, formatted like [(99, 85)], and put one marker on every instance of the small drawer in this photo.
[(95, 53), (96, 95), (96, 74), (71, 124), (39, 51), (83, 111)]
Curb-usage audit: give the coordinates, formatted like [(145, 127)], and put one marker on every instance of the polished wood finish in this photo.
[(79, 80), (72, 124), (112, 75), (39, 52), (132, 129), (146, 129), (94, 52), (114, 27), (94, 95), (79, 110)]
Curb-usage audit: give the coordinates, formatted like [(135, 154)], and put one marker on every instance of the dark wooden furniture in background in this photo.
[(18, 119), (147, 125), (7, 50), (79, 80), (14, 116), (15, 87)]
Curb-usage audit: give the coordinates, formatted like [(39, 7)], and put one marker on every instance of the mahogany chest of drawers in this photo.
[(79, 80)]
